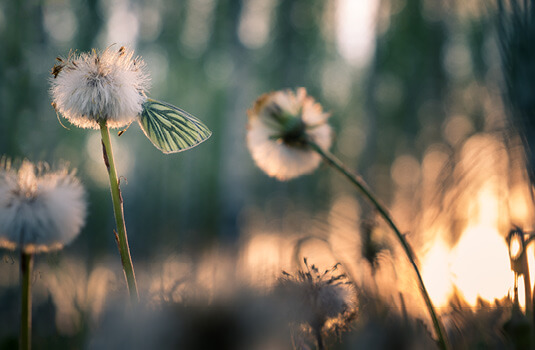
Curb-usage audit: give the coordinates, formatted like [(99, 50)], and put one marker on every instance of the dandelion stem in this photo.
[(121, 237), (366, 191), (319, 338), (26, 264)]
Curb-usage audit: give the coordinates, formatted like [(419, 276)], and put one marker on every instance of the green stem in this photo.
[(26, 264), (120, 235), (366, 191)]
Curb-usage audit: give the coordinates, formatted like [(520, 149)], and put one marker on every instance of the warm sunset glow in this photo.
[(478, 265), (520, 208), (515, 247), (436, 273), (481, 264), (262, 257)]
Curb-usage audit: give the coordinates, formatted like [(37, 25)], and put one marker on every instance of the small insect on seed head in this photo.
[(57, 67)]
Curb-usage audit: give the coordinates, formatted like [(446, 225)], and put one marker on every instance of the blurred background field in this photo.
[(413, 88)]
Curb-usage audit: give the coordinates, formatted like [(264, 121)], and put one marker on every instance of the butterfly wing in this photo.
[(170, 128)]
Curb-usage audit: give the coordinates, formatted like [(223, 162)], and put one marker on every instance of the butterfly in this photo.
[(171, 129)]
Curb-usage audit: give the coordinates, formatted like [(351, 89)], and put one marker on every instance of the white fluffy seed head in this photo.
[(278, 124), (108, 85), (319, 299), (40, 210)]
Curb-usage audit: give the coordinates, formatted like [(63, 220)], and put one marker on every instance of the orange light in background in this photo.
[(263, 258), (519, 204), (436, 273), (467, 216), (478, 265), (481, 265), (515, 247)]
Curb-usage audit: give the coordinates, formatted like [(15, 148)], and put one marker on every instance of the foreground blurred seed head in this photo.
[(321, 300), (280, 124), (107, 85), (40, 210)]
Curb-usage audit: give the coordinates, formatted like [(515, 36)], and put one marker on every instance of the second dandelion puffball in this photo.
[(280, 126), (40, 210)]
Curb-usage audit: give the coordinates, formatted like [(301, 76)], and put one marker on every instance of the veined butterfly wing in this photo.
[(170, 128)]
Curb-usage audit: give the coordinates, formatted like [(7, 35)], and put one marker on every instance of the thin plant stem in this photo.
[(527, 285), (26, 264), (120, 235), (319, 338), (381, 209)]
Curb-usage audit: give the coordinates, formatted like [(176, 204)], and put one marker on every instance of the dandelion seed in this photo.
[(40, 210), (108, 85), (280, 124), (323, 301)]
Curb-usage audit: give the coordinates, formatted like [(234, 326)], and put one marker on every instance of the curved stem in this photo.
[(366, 191), (120, 235), (26, 264)]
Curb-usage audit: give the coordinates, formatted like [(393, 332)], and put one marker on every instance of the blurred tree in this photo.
[(406, 84)]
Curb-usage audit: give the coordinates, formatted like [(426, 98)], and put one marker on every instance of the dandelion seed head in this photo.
[(323, 300), (40, 210), (279, 124), (109, 85)]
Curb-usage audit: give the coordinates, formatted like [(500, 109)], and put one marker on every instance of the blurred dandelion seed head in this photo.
[(279, 126), (40, 210), (109, 85), (323, 300)]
